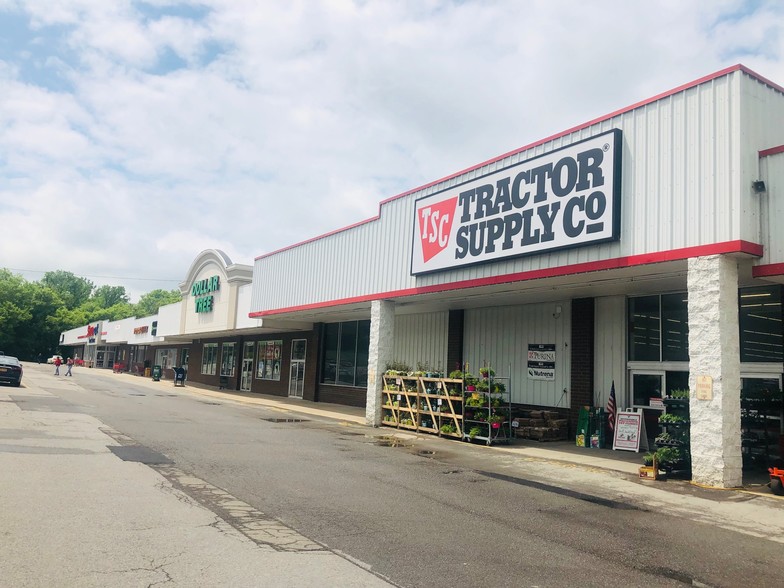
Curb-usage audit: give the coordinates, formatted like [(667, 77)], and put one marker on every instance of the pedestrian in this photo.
[(57, 363), (68, 366)]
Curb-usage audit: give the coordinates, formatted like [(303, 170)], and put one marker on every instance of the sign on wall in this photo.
[(202, 290), (565, 198), (541, 361)]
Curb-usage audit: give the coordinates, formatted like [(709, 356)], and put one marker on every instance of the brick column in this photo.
[(382, 341), (581, 357), (714, 351)]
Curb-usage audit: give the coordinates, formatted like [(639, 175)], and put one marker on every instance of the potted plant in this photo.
[(474, 432), (495, 420), (486, 372), (470, 381)]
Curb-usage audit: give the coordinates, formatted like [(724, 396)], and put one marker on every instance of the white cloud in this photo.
[(250, 126)]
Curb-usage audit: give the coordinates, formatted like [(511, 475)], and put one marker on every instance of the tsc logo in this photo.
[(435, 224)]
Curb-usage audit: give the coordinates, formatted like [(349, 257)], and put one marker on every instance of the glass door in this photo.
[(247, 366), (297, 368)]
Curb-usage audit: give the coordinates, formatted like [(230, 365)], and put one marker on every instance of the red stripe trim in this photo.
[(771, 151), (600, 119), (579, 268), (770, 269)]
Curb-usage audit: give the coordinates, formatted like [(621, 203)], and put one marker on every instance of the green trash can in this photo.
[(156, 373)]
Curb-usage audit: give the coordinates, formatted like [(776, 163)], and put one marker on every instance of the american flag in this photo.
[(611, 407)]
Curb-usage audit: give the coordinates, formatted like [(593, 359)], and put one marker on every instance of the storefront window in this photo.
[(345, 353), (659, 328), (760, 321), (228, 359), (654, 385), (675, 327), (209, 359), (269, 358), (644, 329)]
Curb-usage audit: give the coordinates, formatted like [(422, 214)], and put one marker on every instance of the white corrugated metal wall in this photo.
[(500, 336), (422, 339), (610, 349), (680, 184), (772, 202)]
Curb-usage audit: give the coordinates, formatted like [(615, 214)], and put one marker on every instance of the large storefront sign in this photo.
[(201, 291), (565, 198)]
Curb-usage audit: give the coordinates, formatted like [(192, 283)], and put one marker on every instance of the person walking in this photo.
[(68, 366), (57, 364)]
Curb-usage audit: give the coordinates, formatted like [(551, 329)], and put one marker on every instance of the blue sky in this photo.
[(134, 135)]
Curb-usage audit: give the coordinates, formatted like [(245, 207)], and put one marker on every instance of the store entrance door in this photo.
[(247, 366), (297, 369)]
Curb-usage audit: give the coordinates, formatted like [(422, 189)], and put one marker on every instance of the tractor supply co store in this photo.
[(639, 249)]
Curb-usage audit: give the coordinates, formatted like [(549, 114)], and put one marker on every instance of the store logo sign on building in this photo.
[(565, 198), (202, 292)]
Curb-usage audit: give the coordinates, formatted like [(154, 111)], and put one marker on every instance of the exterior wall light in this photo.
[(758, 186)]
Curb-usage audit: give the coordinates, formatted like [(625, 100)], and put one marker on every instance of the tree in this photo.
[(73, 290), (111, 295), (150, 303)]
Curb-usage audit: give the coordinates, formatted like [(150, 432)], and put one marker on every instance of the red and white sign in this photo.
[(565, 198)]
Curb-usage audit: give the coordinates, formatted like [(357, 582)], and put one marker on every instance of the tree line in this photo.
[(33, 314)]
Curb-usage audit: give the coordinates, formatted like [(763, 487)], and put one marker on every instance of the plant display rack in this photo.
[(761, 426), (426, 404), (674, 437), (488, 411)]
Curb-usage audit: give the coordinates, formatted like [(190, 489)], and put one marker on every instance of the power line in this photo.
[(92, 276)]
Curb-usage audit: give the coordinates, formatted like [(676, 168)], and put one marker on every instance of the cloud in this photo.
[(135, 134)]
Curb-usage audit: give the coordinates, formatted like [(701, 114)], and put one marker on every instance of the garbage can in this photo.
[(147, 372), (179, 376), (156, 373)]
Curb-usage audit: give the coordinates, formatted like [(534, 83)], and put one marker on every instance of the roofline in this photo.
[(727, 247), (673, 91)]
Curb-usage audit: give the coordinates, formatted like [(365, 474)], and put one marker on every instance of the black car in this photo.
[(10, 370)]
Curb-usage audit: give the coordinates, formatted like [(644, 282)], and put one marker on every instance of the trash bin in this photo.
[(179, 376), (147, 372), (156, 373)]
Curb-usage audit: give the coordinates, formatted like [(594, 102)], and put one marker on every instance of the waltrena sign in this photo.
[(569, 197), (201, 291)]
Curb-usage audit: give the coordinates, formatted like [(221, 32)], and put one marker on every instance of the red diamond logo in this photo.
[(435, 225)]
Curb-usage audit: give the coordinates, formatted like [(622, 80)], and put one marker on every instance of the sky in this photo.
[(136, 134)]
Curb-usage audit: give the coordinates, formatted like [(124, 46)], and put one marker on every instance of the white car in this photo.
[(51, 359)]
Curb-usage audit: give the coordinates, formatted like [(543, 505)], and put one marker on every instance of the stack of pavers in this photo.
[(541, 425)]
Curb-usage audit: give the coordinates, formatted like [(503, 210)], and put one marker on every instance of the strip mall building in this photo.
[(641, 247)]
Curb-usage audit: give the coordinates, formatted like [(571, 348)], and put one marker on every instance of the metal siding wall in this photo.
[(500, 337), (610, 350), (679, 189), (422, 338), (773, 203)]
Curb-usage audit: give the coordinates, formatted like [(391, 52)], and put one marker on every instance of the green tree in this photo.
[(111, 295), (150, 303), (73, 290)]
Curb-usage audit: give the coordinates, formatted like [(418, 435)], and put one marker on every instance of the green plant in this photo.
[(486, 372), (680, 394), (470, 379), (495, 418), (482, 386), (671, 418), (499, 388), (474, 432), (666, 438), (397, 368), (668, 455), (449, 429), (647, 459), (456, 375)]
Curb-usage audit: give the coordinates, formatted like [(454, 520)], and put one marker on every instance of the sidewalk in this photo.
[(74, 514)]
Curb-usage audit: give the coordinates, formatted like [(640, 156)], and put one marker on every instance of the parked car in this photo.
[(10, 370), (51, 359)]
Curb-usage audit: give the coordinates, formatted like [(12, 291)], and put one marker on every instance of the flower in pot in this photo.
[(486, 372), (495, 420)]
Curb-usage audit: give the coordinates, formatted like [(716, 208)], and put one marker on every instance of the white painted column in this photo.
[(382, 342), (714, 351)]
